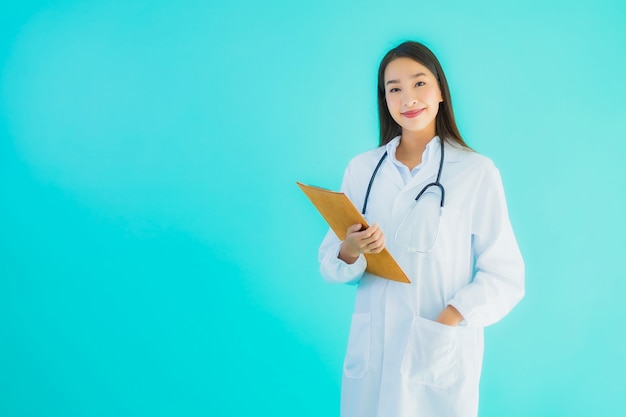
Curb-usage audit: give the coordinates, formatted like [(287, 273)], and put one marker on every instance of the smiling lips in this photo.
[(413, 113)]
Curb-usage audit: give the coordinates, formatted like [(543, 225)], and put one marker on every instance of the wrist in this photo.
[(347, 256), (450, 316)]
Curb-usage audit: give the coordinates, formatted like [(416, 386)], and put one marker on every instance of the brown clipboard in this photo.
[(340, 213)]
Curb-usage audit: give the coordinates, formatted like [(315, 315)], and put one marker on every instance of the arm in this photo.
[(335, 270), (498, 282), (343, 262), (450, 316)]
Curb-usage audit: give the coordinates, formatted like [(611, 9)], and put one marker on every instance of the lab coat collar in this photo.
[(392, 148), (453, 153), (430, 165), (388, 168)]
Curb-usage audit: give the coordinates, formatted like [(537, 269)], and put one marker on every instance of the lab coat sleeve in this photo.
[(498, 282), (332, 268)]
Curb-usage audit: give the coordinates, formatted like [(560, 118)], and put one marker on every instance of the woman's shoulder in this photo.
[(469, 157), (367, 159)]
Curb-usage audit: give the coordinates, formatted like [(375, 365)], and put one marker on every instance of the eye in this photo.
[(394, 90), (420, 83)]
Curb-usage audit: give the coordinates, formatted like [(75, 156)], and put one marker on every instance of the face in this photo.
[(413, 96)]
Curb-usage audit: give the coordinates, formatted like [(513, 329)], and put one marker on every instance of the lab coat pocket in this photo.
[(358, 352), (431, 356)]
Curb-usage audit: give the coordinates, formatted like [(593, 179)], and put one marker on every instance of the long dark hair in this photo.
[(445, 124)]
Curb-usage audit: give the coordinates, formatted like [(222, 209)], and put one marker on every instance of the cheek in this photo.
[(392, 103), (435, 95)]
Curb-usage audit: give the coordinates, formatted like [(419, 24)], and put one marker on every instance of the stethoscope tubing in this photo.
[(437, 182)]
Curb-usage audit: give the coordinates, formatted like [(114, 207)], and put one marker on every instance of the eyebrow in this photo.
[(419, 74)]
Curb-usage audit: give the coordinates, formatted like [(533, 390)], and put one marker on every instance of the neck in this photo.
[(411, 148), (414, 143)]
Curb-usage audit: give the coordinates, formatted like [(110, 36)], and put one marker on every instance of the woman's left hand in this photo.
[(450, 316)]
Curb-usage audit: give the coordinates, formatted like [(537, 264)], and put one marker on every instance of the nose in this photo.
[(409, 99)]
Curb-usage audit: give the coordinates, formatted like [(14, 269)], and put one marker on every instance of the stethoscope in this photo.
[(432, 184)]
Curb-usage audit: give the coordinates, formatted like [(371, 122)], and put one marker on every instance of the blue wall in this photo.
[(157, 259)]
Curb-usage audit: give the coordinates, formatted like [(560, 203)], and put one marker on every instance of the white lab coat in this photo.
[(399, 362)]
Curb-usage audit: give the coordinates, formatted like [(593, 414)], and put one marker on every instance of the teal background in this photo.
[(157, 259)]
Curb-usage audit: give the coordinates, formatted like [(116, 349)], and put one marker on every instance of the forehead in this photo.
[(401, 68)]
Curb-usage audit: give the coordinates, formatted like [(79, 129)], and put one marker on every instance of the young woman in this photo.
[(416, 349)]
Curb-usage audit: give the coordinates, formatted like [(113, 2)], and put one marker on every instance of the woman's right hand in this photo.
[(370, 240)]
